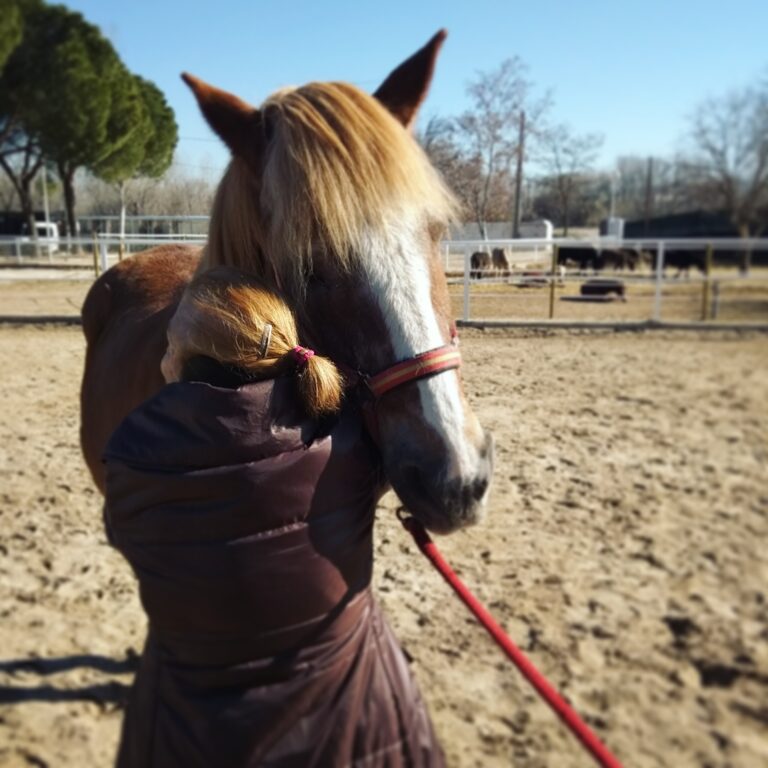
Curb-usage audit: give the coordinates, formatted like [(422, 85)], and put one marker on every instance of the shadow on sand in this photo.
[(112, 692)]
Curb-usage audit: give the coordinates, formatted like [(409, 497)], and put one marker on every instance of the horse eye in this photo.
[(315, 280)]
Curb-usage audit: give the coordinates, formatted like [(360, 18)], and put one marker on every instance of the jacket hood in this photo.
[(178, 426)]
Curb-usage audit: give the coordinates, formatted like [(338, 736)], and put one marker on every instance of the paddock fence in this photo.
[(541, 282), (672, 281)]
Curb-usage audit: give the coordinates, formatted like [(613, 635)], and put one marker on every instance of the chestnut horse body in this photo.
[(330, 201)]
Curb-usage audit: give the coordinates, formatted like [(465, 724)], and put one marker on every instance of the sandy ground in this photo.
[(624, 550)]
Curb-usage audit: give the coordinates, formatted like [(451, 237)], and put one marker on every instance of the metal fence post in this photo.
[(103, 255), (707, 278), (465, 313), (552, 283), (95, 255), (659, 280), (715, 299)]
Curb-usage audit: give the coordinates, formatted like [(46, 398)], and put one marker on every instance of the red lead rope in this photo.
[(575, 724)]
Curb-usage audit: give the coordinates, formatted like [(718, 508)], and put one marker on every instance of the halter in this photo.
[(419, 366)]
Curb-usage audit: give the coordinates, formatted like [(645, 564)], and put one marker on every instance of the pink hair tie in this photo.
[(302, 355)]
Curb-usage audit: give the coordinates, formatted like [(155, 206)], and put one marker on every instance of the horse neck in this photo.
[(253, 262)]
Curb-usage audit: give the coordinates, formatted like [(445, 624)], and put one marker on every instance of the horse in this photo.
[(584, 257), (685, 260), (479, 262), (329, 199), (500, 260), (681, 260)]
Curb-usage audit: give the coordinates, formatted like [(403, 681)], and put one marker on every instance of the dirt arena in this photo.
[(624, 550)]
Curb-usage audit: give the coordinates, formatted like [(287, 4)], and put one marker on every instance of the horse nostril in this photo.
[(479, 487), (473, 492)]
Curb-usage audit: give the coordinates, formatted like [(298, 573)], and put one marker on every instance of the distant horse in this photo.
[(597, 260), (479, 262), (681, 260), (585, 258), (500, 260), (685, 260), (330, 200), (617, 260)]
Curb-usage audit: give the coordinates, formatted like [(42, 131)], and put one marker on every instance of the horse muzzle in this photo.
[(438, 497)]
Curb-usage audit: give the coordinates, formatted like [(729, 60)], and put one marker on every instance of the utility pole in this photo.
[(519, 176)]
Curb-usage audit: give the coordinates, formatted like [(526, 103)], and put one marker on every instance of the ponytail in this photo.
[(233, 318), (318, 381)]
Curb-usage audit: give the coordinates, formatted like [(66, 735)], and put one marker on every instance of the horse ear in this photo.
[(406, 87), (236, 122)]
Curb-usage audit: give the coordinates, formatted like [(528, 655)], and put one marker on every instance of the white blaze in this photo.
[(398, 272)]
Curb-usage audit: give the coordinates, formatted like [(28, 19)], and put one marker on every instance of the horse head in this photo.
[(329, 197)]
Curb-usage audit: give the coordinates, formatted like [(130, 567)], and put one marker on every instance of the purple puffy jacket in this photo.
[(250, 532)]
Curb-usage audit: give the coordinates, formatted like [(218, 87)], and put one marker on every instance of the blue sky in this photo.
[(630, 70)]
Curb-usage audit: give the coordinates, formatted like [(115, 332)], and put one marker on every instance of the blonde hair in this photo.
[(337, 167), (230, 316)]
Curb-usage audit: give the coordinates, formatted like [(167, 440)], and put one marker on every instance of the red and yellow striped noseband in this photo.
[(423, 365)]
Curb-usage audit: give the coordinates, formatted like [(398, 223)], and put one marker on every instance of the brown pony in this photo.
[(500, 260), (329, 200)]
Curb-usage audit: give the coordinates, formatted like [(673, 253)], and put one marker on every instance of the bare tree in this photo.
[(438, 140), (729, 163), (462, 172), (568, 157), (97, 197), (20, 159), (651, 186), (630, 186), (176, 193), (490, 132), (586, 209), (8, 194)]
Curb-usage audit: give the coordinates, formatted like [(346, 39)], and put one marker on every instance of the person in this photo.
[(243, 496), (230, 327)]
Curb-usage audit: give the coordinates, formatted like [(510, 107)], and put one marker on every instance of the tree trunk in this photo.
[(22, 183), (122, 209), (519, 177), (566, 216), (648, 203), (122, 186), (67, 175), (564, 193), (746, 259), (28, 209), (479, 211)]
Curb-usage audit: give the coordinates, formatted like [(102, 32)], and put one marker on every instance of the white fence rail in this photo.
[(534, 281), (104, 249)]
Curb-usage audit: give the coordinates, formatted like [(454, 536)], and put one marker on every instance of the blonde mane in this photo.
[(337, 167)]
